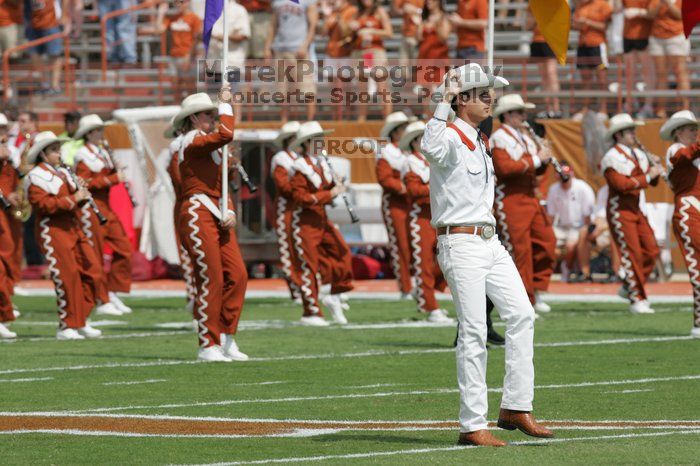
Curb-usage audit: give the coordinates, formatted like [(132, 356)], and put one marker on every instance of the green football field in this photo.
[(618, 389)]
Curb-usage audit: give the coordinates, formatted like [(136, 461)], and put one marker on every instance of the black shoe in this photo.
[(494, 338)]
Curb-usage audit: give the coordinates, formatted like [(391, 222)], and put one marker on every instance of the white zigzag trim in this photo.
[(86, 224), (186, 266), (416, 252), (625, 259), (393, 240), (503, 233), (283, 243), (306, 275), (196, 245), (55, 274), (690, 259)]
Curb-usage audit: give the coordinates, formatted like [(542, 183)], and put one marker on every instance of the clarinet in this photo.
[(4, 202), (127, 185), (244, 177), (650, 159), (91, 201), (351, 211), (543, 143)]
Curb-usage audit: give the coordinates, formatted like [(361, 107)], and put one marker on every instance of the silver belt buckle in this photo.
[(487, 231)]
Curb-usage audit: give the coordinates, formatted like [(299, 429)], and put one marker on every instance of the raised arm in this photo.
[(625, 184), (303, 197), (49, 204), (435, 145), (204, 144), (95, 181)]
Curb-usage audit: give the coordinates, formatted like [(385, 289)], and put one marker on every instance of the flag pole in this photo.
[(491, 33), (224, 79)]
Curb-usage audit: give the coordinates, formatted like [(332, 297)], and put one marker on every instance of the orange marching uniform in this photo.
[(74, 266), (390, 169), (220, 275), (523, 224), (683, 163), (626, 171), (315, 236), (282, 169), (12, 245), (426, 271)]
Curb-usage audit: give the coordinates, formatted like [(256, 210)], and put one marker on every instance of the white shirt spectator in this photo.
[(573, 207), (238, 22)]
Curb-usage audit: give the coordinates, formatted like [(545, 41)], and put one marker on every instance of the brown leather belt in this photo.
[(485, 231)]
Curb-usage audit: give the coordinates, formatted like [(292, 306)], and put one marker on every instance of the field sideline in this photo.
[(616, 388)]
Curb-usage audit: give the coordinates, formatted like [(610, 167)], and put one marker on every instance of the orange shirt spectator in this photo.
[(43, 15), (10, 12), (537, 34), (665, 26), (255, 6), (598, 11), (409, 26), (637, 26), (473, 36), (184, 29), (337, 29)]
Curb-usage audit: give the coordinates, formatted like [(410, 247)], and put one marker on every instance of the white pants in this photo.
[(476, 268)]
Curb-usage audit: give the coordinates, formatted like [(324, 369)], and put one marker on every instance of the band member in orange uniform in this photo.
[(12, 244), (94, 165), (74, 265), (313, 187), (7, 313), (209, 235), (390, 169), (282, 169), (683, 163), (523, 224), (628, 171), (426, 271)]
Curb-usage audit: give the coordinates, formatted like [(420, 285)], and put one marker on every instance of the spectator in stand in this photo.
[(184, 28), (432, 34), (69, 148), (591, 18), (371, 26), (571, 205), (291, 38), (121, 32), (541, 53), (42, 20), (669, 48), (411, 11), (260, 15), (635, 44), (471, 21), (238, 37), (10, 22), (338, 14)]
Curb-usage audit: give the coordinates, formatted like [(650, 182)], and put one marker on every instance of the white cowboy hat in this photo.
[(307, 131), (40, 142), (3, 120), (287, 130), (621, 122), (677, 120), (471, 76), (510, 102), (194, 103), (393, 121), (171, 131), (89, 123), (413, 130)]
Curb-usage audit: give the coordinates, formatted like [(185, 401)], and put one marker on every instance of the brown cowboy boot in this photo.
[(480, 438), (524, 422)]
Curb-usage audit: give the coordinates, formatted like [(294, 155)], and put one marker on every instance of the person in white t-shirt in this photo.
[(571, 204)]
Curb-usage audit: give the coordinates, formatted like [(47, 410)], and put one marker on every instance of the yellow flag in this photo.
[(554, 20)]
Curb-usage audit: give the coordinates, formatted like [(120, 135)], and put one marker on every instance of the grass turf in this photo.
[(369, 373)]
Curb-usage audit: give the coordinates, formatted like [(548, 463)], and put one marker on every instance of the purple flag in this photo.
[(212, 12)]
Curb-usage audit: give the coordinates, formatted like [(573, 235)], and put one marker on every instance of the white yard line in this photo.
[(435, 391), (332, 356), (631, 391), (136, 382), (418, 451), (37, 379), (53, 323), (114, 336)]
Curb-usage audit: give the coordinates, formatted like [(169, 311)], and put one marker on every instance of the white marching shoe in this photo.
[(15, 312), (641, 307), (540, 306), (335, 306), (439, 316), (6, 333), (108, 309), (344, 298), (314, 321), (695, 333), (69, 334), (212, 354), (231, 348), (118, 303), (89, 332)]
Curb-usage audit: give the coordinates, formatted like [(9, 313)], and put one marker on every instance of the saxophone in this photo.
[(23, 211)]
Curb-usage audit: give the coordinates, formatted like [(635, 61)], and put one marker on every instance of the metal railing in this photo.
[(69, 90)]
